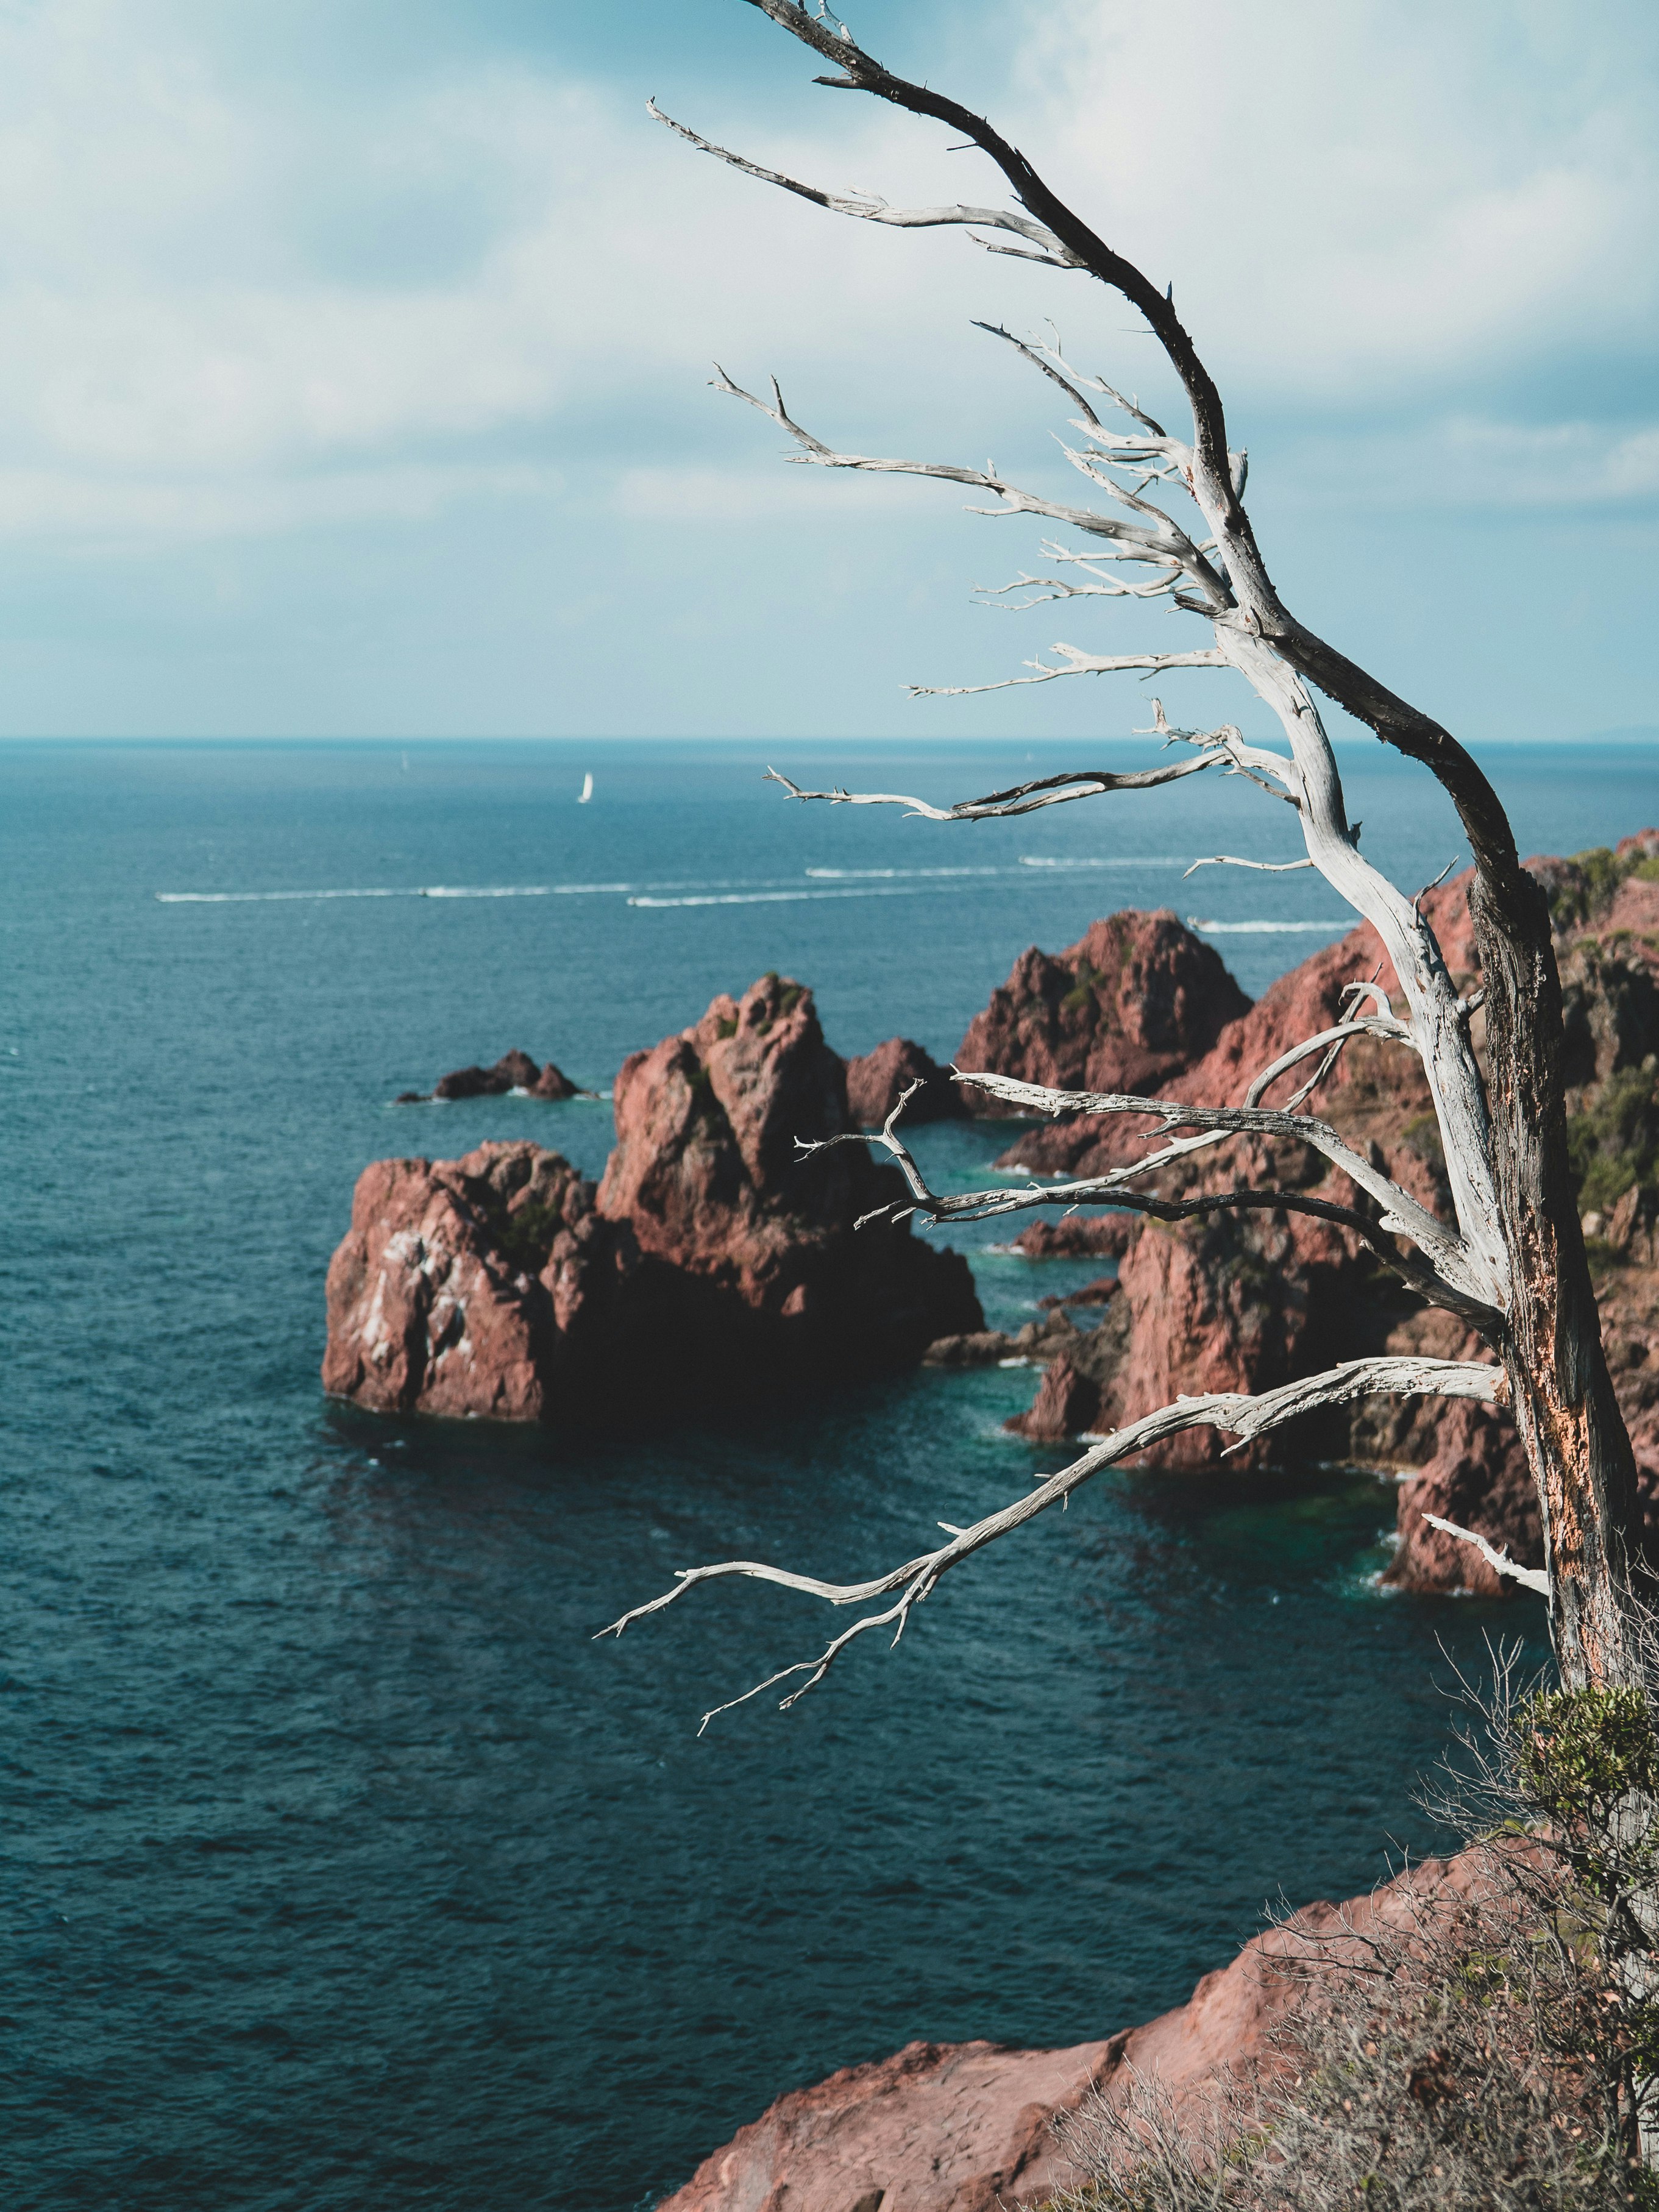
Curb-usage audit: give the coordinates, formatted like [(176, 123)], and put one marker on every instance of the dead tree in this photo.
[(1166, 520)]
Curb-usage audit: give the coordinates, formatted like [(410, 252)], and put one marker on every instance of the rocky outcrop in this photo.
[(707, 1175), (513, 1071), (713, 1256), (969, 2127), (485, 1286), (1134, 1002), (876, 1080), (1079, 1237), (1081, 1391), (939, 2127), (1245, 1301), (1478, 1478), (1100, 1293)]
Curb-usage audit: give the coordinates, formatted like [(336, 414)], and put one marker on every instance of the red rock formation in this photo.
[(1242, 1302), (707, 1174), (502, 1285), (968, 2127), (1137, 1000), (1100, 1293), (939, 2127), (876, 1080), (513, 1071), (554, 1083), (472, 1287), (1067, 1404), (1478, 1478), (1079, 1237)]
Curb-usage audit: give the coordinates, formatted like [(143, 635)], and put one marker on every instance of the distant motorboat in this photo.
[(587, 791)]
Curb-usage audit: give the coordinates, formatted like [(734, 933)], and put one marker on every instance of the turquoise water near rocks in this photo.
[(343, 1867)]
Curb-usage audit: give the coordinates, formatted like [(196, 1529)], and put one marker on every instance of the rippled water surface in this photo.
[(345, 1869)]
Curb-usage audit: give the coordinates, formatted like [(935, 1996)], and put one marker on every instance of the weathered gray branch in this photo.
[(1232, 861), (1534, 1578), (1401, 1213), (868, 207), (1020, 799), (1246, 1417), (1159, 534)]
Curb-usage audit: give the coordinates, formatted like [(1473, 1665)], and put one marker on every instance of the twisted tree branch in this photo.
[(1246, 1417)]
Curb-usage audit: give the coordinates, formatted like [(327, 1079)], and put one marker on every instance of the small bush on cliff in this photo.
[(1486, 2043), (1615, 1142), (1592, 881)]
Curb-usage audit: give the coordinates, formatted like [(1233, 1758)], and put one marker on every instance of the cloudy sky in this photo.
[(355, 367)]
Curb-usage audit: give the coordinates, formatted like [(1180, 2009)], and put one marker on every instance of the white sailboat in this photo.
[(587, 791)]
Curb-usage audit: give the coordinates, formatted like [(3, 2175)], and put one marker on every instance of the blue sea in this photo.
[(344, 1868)]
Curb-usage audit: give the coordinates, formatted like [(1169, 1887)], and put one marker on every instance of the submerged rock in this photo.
[(713, 1256)]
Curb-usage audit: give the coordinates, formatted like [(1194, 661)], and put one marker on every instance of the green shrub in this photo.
[(1082, 990), (1469, 2047), (1615, 1142)]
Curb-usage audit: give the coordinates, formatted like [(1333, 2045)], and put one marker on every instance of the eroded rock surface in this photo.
[(707, 1175), (1244, 1301), (487, 1285)]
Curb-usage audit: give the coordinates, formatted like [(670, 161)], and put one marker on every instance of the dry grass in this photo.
[(1490, 2044)]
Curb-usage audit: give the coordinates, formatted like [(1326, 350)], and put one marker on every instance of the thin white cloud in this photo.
[(1357, 204), (114, 510), (1375, 199), (1473, 463)]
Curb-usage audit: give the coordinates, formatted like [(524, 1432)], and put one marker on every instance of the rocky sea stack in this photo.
[(713, 1256)]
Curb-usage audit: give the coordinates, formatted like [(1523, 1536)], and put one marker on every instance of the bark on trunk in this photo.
[(1564, 1404)]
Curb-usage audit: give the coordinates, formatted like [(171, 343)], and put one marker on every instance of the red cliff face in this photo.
[(712, 1253), (707, 1175), (1137, 1000)]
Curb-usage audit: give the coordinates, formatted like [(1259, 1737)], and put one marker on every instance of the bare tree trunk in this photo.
[(1560, 1387)]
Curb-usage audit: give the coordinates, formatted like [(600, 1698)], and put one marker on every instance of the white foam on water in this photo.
[(773, 898), (843, 875), (1149, 861), (1269, 928), (520, 890), (260, 898), (409, 890)]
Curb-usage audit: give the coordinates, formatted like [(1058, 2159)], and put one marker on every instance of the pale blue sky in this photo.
[(355, 370)]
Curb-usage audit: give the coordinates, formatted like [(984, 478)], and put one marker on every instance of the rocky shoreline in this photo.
[(504, 1286)]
